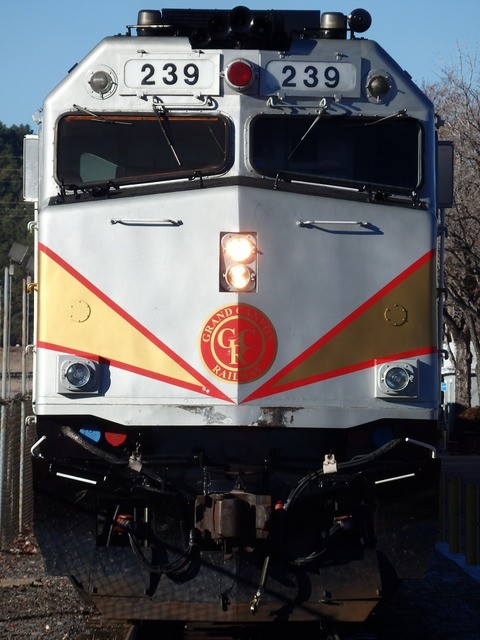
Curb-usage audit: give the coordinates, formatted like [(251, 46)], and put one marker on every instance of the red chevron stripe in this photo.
[(205, 387), (274, 386)]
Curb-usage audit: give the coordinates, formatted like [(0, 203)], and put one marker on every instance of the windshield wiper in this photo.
[(383, 193), (98, 118), (99, 190), (375, 193), (160, 113), (323, 108), (397, 114)]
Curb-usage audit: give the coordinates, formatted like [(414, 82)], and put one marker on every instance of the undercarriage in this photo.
[(177, 533)]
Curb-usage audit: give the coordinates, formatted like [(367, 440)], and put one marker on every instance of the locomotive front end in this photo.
[(237, 363)]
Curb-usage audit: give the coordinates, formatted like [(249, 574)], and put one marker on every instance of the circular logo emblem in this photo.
[(238, 343)]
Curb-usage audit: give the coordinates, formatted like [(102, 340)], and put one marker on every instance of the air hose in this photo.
[(350, 464), (169, 568), (92, 448), (132, 463), (306, 481)]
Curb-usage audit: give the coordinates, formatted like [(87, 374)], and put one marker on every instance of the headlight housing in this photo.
[(378, 85), (397, 379), (238, 262), (77, 375)]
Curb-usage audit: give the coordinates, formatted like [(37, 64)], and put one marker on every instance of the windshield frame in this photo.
[(68, 160), (313, 124)]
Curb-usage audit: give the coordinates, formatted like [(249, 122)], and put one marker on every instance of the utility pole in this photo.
[(6, 331), (3, 422)]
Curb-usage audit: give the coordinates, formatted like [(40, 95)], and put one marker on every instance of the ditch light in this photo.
[(238, 262)]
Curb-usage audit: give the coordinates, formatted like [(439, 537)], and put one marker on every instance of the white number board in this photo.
[(176, 75), (309, 77)]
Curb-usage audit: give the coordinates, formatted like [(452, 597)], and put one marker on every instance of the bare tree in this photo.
[(457, 99)]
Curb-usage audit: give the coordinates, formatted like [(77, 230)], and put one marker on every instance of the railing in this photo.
[(459, 514), (16, 495)]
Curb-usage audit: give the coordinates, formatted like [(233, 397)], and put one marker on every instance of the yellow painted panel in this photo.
[(79, 318), (400, 321)]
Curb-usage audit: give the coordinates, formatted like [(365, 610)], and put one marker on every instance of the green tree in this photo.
[(14, 214), (456, 96)]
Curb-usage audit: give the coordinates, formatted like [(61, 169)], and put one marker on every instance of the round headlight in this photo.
[(397, 378), (240, 277), (78, 374), (240, 248)]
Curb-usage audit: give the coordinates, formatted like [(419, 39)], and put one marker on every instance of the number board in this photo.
[(304, 77), (175, 74)]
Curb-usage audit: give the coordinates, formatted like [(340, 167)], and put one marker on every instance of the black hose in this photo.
[(368, 457), (112, 459), (92, 448), (316, 555), (170, 568), (305, 482), (354, 462)]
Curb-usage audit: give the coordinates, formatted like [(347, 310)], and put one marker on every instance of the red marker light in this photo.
[(239, 74), (115, 439)]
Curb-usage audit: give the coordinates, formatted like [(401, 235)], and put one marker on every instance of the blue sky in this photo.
[(41, 39)]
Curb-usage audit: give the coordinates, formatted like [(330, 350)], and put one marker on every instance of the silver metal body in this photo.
[(278, 425), (163, 278)]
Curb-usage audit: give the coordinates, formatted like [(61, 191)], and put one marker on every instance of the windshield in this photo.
[(142, 148), (347, 151)]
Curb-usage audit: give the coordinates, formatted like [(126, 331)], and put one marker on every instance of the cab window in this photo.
[(140, 148), (350, 151)]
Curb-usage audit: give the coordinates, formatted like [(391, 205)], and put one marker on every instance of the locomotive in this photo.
[(236, 376)]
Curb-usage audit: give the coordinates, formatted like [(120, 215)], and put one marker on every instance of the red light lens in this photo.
[(115, 439), (239, 74)]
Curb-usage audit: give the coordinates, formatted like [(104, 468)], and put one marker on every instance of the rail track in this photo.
[(446, 604), (168, 631)]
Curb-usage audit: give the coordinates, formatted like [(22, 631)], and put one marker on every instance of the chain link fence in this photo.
[(16, 495), (16, 439)]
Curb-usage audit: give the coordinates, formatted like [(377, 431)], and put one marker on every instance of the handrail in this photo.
[(147, 222)]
